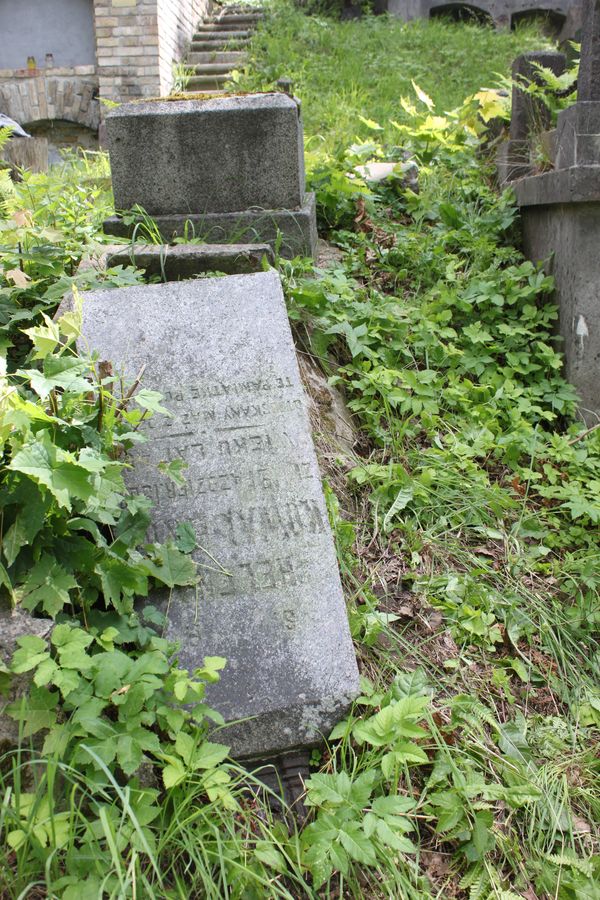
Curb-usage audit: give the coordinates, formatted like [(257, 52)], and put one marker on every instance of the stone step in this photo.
[(206, 82), (221, 36), (214, 69), (215, 46), (239, 9), (212, 27), (233, 58), (239, 18)]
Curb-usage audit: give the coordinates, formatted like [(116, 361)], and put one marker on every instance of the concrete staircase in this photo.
[(218, 45)]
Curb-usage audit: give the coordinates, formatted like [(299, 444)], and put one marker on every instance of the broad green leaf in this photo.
[(208, 755), (56, 469), (185, 746), (174, 772), (32, 651), (270, 856), (357, 844), (391, 839), (171, 567), (150, 400), (401, 501)]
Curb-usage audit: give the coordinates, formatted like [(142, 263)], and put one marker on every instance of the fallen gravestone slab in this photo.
[(270, 600)]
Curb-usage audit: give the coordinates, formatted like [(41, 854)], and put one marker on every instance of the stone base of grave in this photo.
[(560, 213), (284, 778), (295, 228), (173, 263)]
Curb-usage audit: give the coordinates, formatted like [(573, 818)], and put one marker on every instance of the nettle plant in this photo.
[(105, 690)]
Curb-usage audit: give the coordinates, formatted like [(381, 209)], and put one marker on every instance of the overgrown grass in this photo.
[(345, 70)]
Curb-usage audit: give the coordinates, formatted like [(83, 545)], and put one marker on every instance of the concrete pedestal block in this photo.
[(560, 214)]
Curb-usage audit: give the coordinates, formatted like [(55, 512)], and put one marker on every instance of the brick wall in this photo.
[(127, 48), (177, 21), (137, 42)]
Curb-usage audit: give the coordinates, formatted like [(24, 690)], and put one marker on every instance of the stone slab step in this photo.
[(219, 28), (188, 260), (215, 46), (240, 9), (239, 18), (210, 31), (233, 58), (206, 82), (213, 69), (221, 36)]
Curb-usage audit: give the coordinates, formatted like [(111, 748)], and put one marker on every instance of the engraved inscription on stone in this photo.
[(221, 353)]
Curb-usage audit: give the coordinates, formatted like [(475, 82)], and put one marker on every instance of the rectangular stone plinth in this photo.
[(270, 600), (175, 263), (578, 184), (294, 231), (217, 155)]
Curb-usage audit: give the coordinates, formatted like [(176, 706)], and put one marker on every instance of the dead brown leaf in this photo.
[(23, 218), (17, 277)]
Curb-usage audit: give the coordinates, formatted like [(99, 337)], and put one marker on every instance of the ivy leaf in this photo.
[(31, 511), (150, 400), (47, 585), (171, 567), (32, 651), (185, 539), (61, 372), (56, 469), (423, 97), (36, 712), (45, 338), (174, 470)]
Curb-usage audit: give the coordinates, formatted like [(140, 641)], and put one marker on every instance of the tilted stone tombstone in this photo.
[(228, 169), (220, 350)]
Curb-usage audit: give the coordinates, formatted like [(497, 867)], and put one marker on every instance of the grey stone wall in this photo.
[(566, 14)]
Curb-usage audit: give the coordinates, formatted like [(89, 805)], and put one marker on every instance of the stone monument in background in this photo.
[(560, 211)]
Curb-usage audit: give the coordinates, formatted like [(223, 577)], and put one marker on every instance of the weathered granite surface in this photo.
[(588, 81), (219, 155), (565, 236), (188, 260), (270, 599)]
